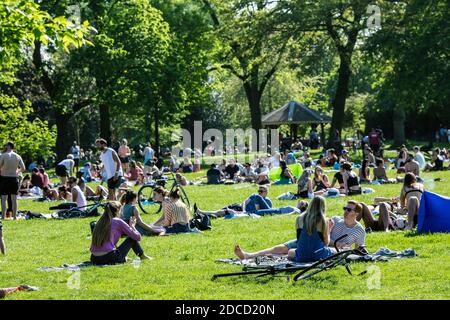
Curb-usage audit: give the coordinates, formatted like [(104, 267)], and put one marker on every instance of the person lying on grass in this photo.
[(5, 291), (130, 210), (388, 215), (176, 216), (107, 233), (348, 225), (258, 204)]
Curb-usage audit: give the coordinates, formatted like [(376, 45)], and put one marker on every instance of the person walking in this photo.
[(112, 168)]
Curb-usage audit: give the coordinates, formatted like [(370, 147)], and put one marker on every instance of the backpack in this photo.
[(201, 222), (374, 138)]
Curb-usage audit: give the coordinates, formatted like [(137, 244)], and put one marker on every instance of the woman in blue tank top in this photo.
[(313, 234), (129, 210)]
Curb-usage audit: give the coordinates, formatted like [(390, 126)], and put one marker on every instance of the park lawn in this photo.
[(183, 264)]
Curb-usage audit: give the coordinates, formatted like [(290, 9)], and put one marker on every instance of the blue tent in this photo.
[(434, 213)]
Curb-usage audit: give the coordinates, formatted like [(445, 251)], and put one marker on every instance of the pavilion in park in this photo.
[(294, 114)]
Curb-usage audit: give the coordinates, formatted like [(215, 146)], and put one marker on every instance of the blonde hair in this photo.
[(315, 215)]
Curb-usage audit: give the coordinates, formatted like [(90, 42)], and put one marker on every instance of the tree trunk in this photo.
[(338, 103), (156, 117), (254, 102), (105, 123), (64, 137), (399, 117)]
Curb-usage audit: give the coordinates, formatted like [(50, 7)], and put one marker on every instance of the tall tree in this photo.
[(252, 46)]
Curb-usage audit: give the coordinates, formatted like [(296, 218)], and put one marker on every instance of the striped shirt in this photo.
[(355, 234), (175, 212)]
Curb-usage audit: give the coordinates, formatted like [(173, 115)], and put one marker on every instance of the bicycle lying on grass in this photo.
[(307, 270), (145, 193), (70, 210)]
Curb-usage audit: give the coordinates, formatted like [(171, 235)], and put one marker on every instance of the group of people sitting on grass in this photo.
[(316, 234)]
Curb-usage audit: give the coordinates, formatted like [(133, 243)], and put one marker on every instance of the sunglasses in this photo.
[(347, 209), (261, 191)]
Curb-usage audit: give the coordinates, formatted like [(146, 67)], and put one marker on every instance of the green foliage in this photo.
[(22, 23), (32, 138)]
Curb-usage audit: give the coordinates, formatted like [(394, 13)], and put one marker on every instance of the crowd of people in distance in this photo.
[(117, 170)]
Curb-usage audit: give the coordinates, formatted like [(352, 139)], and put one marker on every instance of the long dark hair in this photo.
[(283, 167), (102, 230), (410, 180), (175, 194), (128, 197)]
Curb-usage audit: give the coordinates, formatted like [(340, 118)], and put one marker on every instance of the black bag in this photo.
[(200, 221)]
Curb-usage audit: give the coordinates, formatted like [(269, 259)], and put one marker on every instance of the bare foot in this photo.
[(240, 253)]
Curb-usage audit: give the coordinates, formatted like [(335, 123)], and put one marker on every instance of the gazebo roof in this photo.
[(294, 113)]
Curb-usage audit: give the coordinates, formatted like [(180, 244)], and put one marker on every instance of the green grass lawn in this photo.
[(183, 265)]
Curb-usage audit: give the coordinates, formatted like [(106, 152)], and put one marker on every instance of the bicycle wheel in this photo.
[(322, 265), (145, 200)]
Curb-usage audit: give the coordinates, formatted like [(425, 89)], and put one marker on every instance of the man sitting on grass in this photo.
[(348, 225)]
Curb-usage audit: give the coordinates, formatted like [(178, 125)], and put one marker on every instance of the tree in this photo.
[(414, 31), (33, 139), (252, 47)]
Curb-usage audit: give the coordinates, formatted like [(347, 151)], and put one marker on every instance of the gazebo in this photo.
[(294, 114)]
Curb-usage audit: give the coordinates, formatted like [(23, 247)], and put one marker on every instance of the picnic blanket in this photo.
[(382, 254), (76, 267)]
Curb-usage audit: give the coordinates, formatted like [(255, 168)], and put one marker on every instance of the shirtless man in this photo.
[(10, 162)]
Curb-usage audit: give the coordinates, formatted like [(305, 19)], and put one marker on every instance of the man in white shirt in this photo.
[(112, 168), (10, 166), (419, 158)]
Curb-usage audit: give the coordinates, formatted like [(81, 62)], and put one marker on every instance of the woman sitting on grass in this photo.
[(320, 181), (351, 183), (410, 199), (176, 216), (364, 172), (133, 172), (107, 233), (129, 210), (313, 234), (25, 186), (286, 176), (305, 185)]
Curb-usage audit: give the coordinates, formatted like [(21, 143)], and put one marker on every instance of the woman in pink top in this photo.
[(133, 172), (107, 233)]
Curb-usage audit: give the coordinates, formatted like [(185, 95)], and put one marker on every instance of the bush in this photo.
[(33, 137)]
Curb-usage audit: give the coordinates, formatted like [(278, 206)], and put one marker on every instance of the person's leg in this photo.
[(292, 254), (281, 249), (366, 216), (413, 210), (89, 192), (127, 245), (101, 191), (2, 243), (4, 206), (385, 218), (218, 213), (14, 205), (112, 194)]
